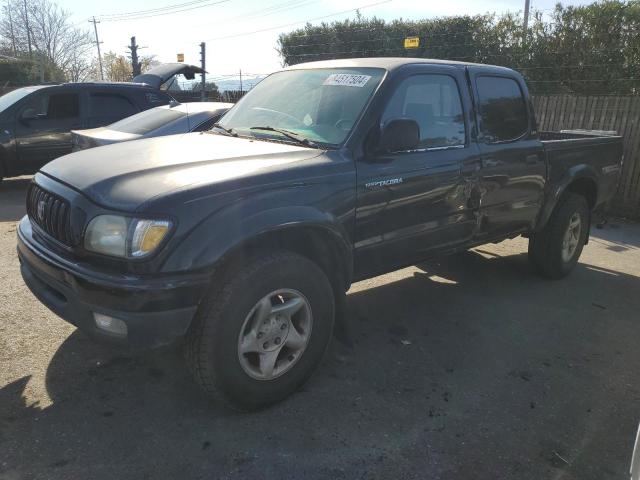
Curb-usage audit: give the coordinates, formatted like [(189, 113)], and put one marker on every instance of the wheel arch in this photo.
[(581, 180), (304, 230), (318, 243)]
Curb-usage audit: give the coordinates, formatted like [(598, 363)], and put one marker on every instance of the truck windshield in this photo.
[(320, 105), (12, 97)]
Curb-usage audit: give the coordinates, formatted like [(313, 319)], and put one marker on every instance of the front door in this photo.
[(413, 203), (43, 127)]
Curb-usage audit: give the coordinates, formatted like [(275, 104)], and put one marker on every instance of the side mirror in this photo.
[(400, 135)]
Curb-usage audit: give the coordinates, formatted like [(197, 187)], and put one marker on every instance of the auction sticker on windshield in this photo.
[(347, 80)]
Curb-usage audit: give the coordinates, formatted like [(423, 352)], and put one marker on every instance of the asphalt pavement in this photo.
[(466, 367)]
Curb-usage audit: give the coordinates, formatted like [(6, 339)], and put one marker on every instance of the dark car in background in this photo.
[(36, 121), (171, 119)]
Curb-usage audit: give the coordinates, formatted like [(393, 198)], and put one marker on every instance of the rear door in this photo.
[(412, 203), (105, 107), (513, 167), (44, 124)]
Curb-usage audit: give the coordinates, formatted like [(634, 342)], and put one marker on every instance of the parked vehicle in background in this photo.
[(243, 240), (36, 122), (169, 119)]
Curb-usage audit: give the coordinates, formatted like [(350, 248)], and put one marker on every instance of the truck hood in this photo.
[(123, 176)]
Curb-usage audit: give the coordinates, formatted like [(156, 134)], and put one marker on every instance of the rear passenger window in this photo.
[(503, 110), (433, 101), (110, 106)]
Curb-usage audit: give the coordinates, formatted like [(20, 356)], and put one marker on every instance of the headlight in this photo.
[(125, 237)]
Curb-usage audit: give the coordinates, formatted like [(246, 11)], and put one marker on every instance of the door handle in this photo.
[(531, 159)]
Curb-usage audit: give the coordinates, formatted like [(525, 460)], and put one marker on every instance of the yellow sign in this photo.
[(181, 57), (412, 42)]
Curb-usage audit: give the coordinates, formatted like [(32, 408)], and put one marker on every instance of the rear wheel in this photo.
[(261, 333), (555, 250)]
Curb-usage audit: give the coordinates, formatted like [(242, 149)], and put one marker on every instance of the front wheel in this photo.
[(261, 334), (555, 250)]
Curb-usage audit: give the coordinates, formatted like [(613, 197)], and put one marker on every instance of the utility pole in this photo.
[(240, 83), (95, 29), (135, 64), (26, 19), (202, 64), (527, 7), (13, 38)]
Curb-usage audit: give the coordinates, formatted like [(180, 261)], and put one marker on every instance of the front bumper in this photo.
[(156, 309)]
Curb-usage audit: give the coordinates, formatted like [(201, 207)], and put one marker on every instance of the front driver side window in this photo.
[(53, 107), (433, 101)]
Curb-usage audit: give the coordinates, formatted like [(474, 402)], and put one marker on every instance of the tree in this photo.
[(118, 68), (589, 49), (43, 33), (208, 87)]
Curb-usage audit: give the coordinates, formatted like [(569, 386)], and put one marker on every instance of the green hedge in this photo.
[(591, 49)]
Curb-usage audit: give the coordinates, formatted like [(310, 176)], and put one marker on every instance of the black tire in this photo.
[(212, 343), (546, 246)]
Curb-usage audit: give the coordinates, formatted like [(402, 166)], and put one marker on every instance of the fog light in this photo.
[(110, 324)]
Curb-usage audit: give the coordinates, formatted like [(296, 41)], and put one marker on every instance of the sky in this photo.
[(226, 25)]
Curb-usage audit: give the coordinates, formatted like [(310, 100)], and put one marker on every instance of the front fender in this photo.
[(556, 191), (222, 233)]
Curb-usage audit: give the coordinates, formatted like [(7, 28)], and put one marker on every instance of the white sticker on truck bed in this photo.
[(347, 80)]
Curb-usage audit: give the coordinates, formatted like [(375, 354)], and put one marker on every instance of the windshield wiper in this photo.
[(228, 131), (292, 135)]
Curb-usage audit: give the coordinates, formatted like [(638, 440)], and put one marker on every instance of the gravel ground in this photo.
[(465, 367)]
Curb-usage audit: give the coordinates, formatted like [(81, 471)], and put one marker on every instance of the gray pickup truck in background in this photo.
[(243, 240)]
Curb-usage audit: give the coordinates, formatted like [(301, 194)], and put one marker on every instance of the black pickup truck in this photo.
[(243, 240)]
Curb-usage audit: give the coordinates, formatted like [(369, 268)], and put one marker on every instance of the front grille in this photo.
[(51, 213)]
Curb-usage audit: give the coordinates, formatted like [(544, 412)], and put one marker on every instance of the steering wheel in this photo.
[(284, 114)]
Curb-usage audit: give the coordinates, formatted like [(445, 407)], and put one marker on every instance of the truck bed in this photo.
[(600, 150)]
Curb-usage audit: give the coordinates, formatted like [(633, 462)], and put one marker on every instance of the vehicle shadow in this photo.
[(463, 360), (617, 235), (12, 198)]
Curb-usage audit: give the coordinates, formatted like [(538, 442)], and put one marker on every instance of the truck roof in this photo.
[(93, 84), (389, 63)]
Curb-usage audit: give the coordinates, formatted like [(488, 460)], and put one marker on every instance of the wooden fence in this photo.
[(607, 112)]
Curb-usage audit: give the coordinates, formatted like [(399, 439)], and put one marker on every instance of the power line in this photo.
[(301, 21), (152, 10), (264, 12), (161, 13)]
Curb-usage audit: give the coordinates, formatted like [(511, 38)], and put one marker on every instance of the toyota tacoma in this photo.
[(242, 241)]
